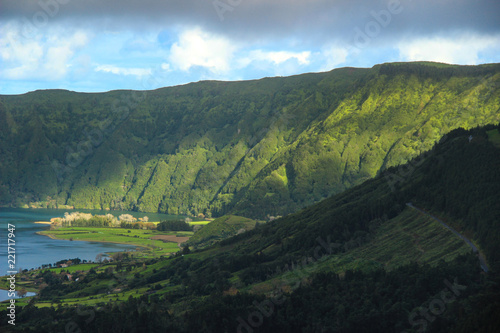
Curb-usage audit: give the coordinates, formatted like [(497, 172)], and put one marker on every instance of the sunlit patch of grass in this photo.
[(199, 222)]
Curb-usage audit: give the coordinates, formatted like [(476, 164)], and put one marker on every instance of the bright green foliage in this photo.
[(254, 148)]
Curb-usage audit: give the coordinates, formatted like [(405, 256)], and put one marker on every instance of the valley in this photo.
[(345, 201)]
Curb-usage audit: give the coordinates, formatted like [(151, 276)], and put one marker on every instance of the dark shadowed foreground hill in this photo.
[(254, 148)]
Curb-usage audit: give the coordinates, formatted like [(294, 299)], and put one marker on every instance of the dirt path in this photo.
[(481, 256)]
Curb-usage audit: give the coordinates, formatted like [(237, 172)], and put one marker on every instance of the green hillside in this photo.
[(359, 261), (252, 148), (221, 228)]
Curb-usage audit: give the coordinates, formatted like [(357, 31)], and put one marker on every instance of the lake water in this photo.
[(33, 250)]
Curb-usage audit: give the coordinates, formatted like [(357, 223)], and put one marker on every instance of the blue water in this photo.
[(32, 250), (4, 295)]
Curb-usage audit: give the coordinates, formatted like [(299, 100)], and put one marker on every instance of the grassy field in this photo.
[(199, 222), (74, 268), (137, 237)]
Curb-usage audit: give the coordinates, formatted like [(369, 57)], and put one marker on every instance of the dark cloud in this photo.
[(308, 21)]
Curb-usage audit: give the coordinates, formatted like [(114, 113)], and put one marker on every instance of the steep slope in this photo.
[(255, 148)]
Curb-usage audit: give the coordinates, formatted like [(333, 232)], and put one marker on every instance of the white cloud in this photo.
[(464, 49), (45, 57), (122, 70), (198, 48), (333, 56), (277, 57)]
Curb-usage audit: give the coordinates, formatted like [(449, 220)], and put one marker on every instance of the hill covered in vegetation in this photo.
[(220, 229), (253, 148), (360, 261)]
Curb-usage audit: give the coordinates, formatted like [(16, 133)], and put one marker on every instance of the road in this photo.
[(482, 259)]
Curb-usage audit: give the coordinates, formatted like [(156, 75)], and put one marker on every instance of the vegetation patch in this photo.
[(136, 237), (494, 137)]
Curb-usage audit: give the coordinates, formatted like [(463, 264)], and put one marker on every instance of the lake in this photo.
[(33, 250)]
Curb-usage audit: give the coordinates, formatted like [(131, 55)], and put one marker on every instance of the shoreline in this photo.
[(49, 235), (42, 222)]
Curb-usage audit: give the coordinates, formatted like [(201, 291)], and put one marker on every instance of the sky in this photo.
[(102, 45)]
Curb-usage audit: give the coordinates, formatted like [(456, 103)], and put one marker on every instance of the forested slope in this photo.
[(255, 148)]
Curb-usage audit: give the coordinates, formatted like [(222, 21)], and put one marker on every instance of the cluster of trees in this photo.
[(74, 261), (250, 148), (138, 225), (78, 219), (174, 225), (127, 221)]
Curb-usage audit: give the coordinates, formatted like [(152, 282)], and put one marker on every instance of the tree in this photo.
[(99, 257), (173, 226), (185, 249), (21, 292), (127, 218)]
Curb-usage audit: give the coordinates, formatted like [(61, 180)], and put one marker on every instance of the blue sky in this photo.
[(94, 46)]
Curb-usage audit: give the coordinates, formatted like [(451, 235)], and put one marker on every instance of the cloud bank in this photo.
[(101, 45)]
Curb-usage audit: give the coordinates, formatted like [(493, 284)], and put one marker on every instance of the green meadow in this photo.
[(137, 237), (199, 222)]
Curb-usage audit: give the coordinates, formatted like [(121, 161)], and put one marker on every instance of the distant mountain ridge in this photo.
[(254, 148)]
